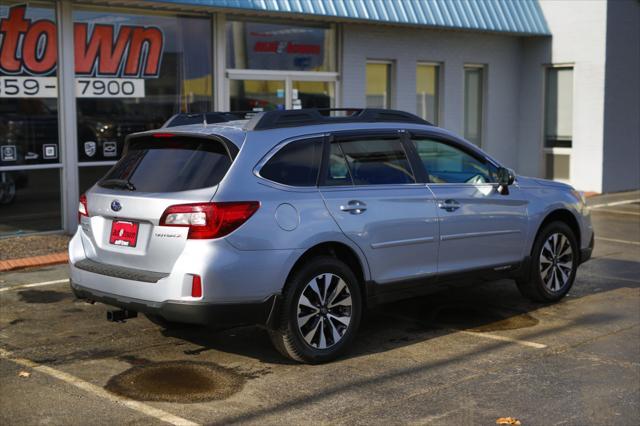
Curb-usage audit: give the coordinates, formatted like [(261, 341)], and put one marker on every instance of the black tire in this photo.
[(288, 337), (532, 285)]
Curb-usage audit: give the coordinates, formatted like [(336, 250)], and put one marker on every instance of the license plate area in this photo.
[(124, 233)]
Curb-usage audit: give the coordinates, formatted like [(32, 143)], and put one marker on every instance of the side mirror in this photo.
[(506, 177)]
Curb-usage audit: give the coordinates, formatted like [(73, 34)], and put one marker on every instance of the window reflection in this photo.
[(166, 73), (29, 201)]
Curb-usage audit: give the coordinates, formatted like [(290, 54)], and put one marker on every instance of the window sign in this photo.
[(28, 86), (110, 60), (265, 46), (133, 71), (271, 46)]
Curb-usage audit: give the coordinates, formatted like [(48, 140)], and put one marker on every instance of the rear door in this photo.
[(371, 190), (126, 205), (479, 227)]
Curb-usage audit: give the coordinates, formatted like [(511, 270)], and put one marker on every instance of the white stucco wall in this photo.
[(579, 38), (406, 46)]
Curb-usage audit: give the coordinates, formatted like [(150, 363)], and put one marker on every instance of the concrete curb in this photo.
[(29, 262)]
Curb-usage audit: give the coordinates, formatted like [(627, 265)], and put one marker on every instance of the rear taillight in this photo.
[(83, 210), (209, 220)]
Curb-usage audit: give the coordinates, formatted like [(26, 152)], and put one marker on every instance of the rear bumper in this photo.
[(202, 313)]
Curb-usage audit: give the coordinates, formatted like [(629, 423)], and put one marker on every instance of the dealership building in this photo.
[(549, 88)]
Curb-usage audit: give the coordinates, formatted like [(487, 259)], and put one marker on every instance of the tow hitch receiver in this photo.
[(120, 315)]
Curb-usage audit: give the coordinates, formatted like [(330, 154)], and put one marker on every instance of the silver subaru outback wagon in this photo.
[(300, 220)]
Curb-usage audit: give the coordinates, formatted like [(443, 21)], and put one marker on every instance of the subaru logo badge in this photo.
[(116, 206)]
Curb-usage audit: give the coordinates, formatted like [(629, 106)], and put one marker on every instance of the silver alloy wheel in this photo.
[(556, 262), (324, 311)]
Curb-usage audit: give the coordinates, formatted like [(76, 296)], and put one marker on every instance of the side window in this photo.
[(377, 161), (337, 169), (296, 164), (447, 164)]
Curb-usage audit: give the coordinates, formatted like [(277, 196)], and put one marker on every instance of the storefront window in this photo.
[(559, 108), (427, 96), (312, 94), (269, 46), (29, 146), (558, 122), (256, 95), (29, 201), (133, 72), (378, 84), (473, 103)]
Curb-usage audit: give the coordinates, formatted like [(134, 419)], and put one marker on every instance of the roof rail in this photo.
[(310, 116), (183, 119)]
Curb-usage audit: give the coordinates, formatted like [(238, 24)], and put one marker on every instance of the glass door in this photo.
[(312, 94), (271, 90), (256, 95)]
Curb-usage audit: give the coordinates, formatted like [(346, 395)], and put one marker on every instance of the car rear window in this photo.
[(169, 165)]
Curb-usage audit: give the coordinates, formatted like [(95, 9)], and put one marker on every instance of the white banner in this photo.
[(47, 87), (28, 87), (109, 87)]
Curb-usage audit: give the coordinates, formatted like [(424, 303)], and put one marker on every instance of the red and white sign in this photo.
[(112, 55), (124, 233)]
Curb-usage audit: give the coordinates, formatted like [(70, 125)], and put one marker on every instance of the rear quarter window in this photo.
[(296, 164), (170, 164)]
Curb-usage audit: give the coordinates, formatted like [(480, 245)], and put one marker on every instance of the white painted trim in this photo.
[(220, 92), (242, 74)]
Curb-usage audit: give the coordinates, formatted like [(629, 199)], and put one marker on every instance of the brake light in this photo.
[(163, 135), (209, 220), (83, 209)]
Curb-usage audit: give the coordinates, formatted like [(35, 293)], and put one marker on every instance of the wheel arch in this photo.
[(340, 251), (561, 215)]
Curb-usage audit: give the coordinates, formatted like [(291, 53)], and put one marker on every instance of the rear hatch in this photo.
[(156, 171)]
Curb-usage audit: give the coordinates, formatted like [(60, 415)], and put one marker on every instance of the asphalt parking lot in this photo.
[(467, 354)]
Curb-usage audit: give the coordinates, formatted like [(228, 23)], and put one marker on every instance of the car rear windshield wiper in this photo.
[(118, 183)]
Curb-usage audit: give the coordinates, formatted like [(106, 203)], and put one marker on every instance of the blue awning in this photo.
[(523, 17)]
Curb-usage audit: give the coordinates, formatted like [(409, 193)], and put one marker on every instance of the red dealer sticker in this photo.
[(124, 233)]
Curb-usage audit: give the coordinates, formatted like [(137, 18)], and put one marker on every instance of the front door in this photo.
[(371, 191), (479, 227), (251, 91)]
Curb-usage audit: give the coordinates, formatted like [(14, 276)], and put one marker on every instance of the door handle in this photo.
[(354, 207), (449, 205)]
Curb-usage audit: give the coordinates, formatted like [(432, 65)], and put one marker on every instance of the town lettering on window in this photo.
[(101, 50)]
